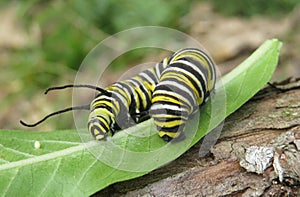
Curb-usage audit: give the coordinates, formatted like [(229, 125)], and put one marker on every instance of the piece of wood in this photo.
[(271, 119)]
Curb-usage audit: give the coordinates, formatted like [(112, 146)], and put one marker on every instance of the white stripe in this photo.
[(119, 85), (182, 99), (149, 79), (201, 53), (193, 76), (121, 97), (182, 87), (195, 68), (128, 94), (130, 91), (133, 93), (133, 82), (156, 106), (143, 95), (137, 85), (103, 97), (158, 73)]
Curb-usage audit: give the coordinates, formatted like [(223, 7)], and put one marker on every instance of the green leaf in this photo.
[(65, 166)]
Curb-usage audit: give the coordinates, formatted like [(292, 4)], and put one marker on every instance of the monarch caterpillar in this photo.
[(184, 85), (117, 106), (127, 102)]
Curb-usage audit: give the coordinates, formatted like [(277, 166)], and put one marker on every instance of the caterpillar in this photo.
[(184, 85), (125, 103), (117, 106), (151, 93)]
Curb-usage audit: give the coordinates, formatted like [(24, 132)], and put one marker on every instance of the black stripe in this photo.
[(160, 68), (115, 96), (151, 75), (146, 94), (95, 120), (132, 105), (173, 97), (109, 109), (192, 71), (169, 70), (99, 99), (202, 83), (168, 111), (175, 89), (102, 124), (168, 119), (175, 129)]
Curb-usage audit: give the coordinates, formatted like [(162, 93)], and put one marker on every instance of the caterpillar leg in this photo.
[(168, 137), (170, 129)]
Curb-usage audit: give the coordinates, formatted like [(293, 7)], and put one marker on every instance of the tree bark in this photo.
[(268, 127)]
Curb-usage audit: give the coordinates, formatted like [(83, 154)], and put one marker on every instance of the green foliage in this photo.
[(70, 29), (63, 165), (249, 8), (60, 34), (64, 37), (115, 16), (65, 31)]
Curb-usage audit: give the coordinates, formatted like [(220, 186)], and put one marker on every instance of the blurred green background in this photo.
[(43, 43)]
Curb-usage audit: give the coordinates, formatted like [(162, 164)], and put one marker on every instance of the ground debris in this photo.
[(282, 153)]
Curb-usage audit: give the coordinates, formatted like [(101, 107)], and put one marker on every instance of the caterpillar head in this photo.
[(99, 126)]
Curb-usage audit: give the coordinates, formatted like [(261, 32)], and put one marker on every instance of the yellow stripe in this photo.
[(169, 124), (141, 94), (135, 95), (208, 67), (165, 61), (164, 98), (137, 101), (102, 129), (122, 92), (170, 134), (200, 58), (104, 121), (96, 132), (199, 99), (114, 105), (181, 100), (90, 128), (183, 79), (106, 115), (149, 87)]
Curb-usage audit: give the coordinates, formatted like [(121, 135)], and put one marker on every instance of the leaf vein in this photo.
[(17, 152), (10, 182), (52, 176)]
